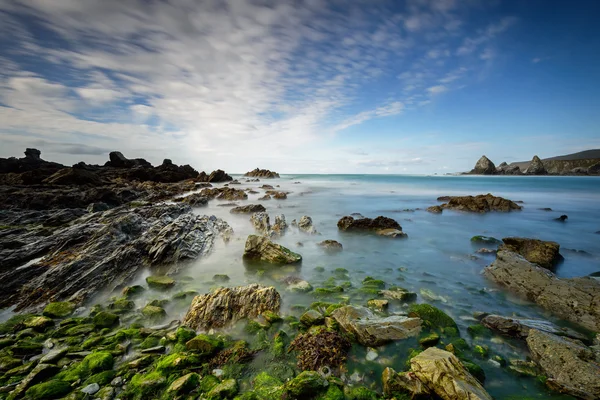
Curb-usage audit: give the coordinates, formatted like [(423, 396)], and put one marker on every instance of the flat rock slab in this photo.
[(520, 327)]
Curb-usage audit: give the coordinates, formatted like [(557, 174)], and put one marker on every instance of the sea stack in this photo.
[(484, 166), (536, 167)]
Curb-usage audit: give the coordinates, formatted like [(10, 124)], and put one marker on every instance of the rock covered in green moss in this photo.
[(479, 330), (221, 278), (176, 362), (122, 304), (38, 324), (53, 389), (184, 385), (131, 292), (267, 387), (144, 386), (207, 383), (224, 390), (312, 317), (433, 316), (184, 334), (106, 320), (204, 345), (162, 283), (398, 293), (305, 384), (60, 309), (333, 393), (430, 340), (154, 313), (261, 248)]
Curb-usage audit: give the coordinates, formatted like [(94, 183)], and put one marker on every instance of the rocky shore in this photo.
[(559, 166), (70, 233)]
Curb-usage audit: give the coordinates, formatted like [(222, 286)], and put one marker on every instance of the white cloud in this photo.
[(437, 89)]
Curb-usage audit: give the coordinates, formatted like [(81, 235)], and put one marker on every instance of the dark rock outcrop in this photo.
[(573, 299), (545, 254), (249, 209), (262, 173), (219, 176), (482, 203), (484, 166), (224, 193), (348, 223), (594, 169), (75, 177), (536, 167)]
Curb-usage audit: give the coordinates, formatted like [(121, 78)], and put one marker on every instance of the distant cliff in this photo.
[(582, 163)]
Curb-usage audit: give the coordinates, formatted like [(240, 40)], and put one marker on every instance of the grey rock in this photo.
[(484, 166), (520, 327), (536, 167), (248, 209), (53, 356), (90, 389), (305, 224), (261, 248)]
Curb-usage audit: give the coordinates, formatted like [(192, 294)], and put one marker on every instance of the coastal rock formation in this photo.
[(248, 209), (331, 245), (484, 166), (520, 327), (571, 367), (261, 248), (194, 200), (545, 254), (262, 173), (435, 209), (224, 193), (261, 223), (225, 306), (219, 176), (594, 169), (306, 225), (505, 169), (280, 225), (101, 251), (536, 167), (573, 299), (443, 373), (371, 330), (348, 223), (482, 203), (74, 176)]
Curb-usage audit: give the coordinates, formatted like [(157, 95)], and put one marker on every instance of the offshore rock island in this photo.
[(98, 302)]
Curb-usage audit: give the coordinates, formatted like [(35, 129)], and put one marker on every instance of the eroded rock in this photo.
[(545, 254), (481, 203), (262, 173), (261, 248)]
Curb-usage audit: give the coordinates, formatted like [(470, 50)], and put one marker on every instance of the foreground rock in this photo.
[(484, 166), (225, 306), (545, 254), (444, 375), (261, 248), (371, 330), (250, 208), (382, 226), (570, 366), (102, 251), (262, 173), (481, 203), (520, 327), (574, 299)]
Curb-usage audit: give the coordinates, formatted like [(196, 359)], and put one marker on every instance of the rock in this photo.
[(224, 193), (278, 195), (536, 167), (280, 225), (520, 327), (435, 209), (194, 200), (262, 173), (312, 317), (406, 383), (398, 293), (260, 221), (305, 385), (225, 306), (105, 320), (260, 248), (481, 204), (348, 223), (184, 385), (59, 309), (131, 292), (443, 373), (562, 218), (265, 197), (250, 208), (219, 176), (378, 304), (331, 245), (570, 366), (73, 176), (545, 254), (154, 313), (485, 240), (117, 159), (53, 355), (300, 287), (224, 390), (151, 350), (574, 299), (91, 389), (305, 224), (40, 373), (267, 187), (594, 169), (391, 233), (484, 166), (104, 251), (371, 330), (161, 283), (39, 324)]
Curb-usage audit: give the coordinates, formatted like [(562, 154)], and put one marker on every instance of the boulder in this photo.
[(435, 209), (280, 225), (260, 248), (443, 374), (536, 167), (262, 173), (348, 223), (32, 154), (391, 233), (261, 223), (520, 327), (484, 166), (194, 200), (573, 299), (570, 366), (371, 330), (117, 159), (219, 176), (480, 203), (545, 254), (224, 193), (305, 224), (225, 306), (331, 245), (248, 209)]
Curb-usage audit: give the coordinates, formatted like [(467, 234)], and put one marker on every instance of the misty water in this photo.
[(438, 255)]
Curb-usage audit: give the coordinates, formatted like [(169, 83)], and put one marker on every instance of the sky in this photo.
[(300, 86)]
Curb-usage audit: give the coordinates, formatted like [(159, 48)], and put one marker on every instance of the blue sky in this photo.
[(313, 86)]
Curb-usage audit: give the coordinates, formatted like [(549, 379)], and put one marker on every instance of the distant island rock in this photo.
[(579, 164), (262, 173)]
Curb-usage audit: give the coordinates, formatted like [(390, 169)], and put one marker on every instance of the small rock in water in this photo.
[(562, 218), (356, 377), (431, 296), (545, 209), (371, 355), (118, 381), (91, 389)]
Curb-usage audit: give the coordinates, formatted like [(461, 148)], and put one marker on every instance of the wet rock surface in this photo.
[(248, 209), (225, 306), (262, 173), (261, 248), (545, 254), (349, 223), (520, 327), (481, 203)]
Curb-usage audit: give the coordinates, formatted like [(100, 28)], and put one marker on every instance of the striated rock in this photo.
[(194, 200), (574, 299), (404, 383), (261, 223), (444, 375), (73, 176), (219, 176), (104, 251), (348, 223), (371, 330), (248, 209), (224, 306), (280, 225), (262, 173), (536, 167), (570, 366), (331, 245), (484, 166), (481, 203), (545, 254), (224, 193), (520, 327), (306, 225), (260, 248), (265, 197)]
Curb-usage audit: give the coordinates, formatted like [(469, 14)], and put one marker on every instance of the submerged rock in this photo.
[(481, 203), (260, 248), (225, 306), (371, 330), (545, 254), (444, 374), (331, 245), (570, 366), (435, 209), (484, 166), (280, 225), (573, 299), (250, 208)]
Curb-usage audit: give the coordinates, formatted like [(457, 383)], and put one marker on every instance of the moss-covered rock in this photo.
[(204, 345), (149, 342), (481, 351), (271, 317), (60, 309), (14, 323), (154, 313), (370, 282), (184, 334), (479, 330), (224, 390), (131, 292), (474, 370), (184, 385), (221, 278), (176, 362), (432, 316), (312, 317), (25, 348), (360, 393), (162, 283), (146, 386), (38, 324), (306, 384), (8, 363), (333, 393), (430, 340), (53, 389), (267, 387), (102, 378), (106, 320), (207, 383), (122, 304)]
